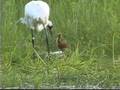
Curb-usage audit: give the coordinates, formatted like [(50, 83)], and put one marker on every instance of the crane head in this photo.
[(49, 27)]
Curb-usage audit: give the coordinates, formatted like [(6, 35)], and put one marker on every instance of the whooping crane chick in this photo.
[(61, 42)]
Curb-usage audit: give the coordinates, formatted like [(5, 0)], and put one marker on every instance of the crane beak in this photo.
[(17, 21), (21, 20)]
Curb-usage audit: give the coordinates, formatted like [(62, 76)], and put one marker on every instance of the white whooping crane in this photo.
[(36, 17)]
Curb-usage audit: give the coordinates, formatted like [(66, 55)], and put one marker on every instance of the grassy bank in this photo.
[(91, 28)]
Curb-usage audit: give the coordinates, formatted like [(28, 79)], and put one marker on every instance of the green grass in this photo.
[(91, 28)]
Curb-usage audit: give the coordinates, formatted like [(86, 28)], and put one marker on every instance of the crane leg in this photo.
[(33, 38), (46, 36), (33, 42)]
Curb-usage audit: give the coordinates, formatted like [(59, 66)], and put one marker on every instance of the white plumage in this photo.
[(36, 15)]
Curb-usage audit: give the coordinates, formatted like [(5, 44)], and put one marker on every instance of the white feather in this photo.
[(36, 15)]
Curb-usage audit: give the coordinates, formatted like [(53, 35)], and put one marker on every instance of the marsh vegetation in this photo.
[(92, 29)]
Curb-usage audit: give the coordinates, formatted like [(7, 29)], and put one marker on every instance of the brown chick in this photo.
[(61, 42)]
